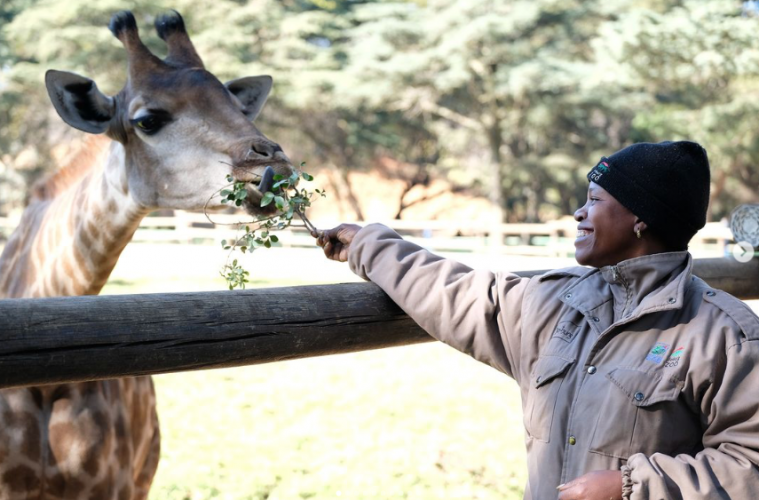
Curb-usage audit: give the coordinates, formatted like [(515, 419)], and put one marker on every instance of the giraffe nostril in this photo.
[(262, 150)]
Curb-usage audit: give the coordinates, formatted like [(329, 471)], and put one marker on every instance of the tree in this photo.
[(699, 81), (513, 99)]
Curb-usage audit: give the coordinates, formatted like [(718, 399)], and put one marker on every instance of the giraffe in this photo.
[(172, 135)]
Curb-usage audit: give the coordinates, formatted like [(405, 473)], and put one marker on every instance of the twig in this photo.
[(312, 229)]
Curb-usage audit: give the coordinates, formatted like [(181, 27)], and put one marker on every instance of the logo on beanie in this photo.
[(598, 171)]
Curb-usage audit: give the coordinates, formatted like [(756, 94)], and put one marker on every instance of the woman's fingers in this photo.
[(336, 241)]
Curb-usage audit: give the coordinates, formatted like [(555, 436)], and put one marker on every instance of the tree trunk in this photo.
[(495, 141), (346, 190), (719, 187)]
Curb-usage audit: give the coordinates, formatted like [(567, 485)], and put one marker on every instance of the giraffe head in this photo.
[(182, 130)]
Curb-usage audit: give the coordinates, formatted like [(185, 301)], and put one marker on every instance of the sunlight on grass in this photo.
[(415, 422)]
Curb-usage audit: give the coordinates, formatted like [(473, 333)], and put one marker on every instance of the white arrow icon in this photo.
[(743, 251)]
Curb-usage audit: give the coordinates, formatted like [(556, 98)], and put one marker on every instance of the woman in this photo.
[(638, 380)]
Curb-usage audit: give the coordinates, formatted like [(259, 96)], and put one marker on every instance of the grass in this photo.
[(417, 422)]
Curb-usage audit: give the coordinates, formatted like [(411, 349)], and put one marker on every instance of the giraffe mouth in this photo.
[(257, 185)]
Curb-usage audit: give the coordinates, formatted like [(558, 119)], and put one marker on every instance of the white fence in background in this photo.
[(541, 239)]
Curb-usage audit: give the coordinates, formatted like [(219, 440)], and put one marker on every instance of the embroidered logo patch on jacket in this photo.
[(657, 353), (566, 331), (674, 359)]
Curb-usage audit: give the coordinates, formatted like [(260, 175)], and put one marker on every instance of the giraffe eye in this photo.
[(150, 123)]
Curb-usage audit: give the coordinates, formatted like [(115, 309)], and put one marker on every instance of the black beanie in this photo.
[(666, 185)]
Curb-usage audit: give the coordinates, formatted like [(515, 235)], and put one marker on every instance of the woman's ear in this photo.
[(640, 225)]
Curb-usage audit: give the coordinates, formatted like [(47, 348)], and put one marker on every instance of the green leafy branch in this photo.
[(288, 198)]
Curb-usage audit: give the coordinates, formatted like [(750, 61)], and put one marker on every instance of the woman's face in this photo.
[(606, 233)]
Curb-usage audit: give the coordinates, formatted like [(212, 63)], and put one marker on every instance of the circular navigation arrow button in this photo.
[(743, 251)]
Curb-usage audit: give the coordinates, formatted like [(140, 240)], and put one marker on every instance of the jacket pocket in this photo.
[(545, 383), (640, 414)]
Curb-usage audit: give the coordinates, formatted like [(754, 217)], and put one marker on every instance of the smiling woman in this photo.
[(599, 240), (637, 379), (666, 185)]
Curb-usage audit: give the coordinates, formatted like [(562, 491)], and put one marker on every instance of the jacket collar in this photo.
[(637, 286)]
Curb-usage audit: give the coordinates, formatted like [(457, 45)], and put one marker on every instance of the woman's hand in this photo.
[(336, 241), (596, 485)]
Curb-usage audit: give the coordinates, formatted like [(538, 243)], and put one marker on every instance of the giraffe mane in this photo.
[(74, 166)]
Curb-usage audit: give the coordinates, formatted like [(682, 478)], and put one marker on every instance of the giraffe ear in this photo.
[(252, 92), (79, 102)]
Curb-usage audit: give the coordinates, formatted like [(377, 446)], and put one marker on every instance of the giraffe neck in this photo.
[(69, 243)]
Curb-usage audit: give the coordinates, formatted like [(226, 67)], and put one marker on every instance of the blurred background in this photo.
[(443, 118)]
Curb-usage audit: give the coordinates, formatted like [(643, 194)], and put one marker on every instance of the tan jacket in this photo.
[(640, 364)]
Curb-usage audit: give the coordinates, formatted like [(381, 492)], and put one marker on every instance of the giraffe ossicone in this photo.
[(174, 133)]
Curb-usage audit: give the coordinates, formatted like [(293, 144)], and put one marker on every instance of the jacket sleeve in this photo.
[(727, 467), (477, 312)]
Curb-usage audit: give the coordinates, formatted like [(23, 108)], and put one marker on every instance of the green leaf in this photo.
[(302, 164), (280, 202), (278, 177), (274, 238), (267, 244), (307, 177), (238, 203), (267, 199)]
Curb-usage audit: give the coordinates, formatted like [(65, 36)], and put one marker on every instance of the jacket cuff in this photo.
[(627, 484)]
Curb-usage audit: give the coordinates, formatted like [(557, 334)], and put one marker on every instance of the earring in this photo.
[(637, 232)]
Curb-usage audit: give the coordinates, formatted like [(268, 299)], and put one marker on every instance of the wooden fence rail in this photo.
[(72, 339)]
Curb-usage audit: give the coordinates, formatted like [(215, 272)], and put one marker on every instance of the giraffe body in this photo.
[(94, 440), (174, 133)]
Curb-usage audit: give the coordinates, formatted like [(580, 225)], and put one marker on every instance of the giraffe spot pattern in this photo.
[(22, 478)]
